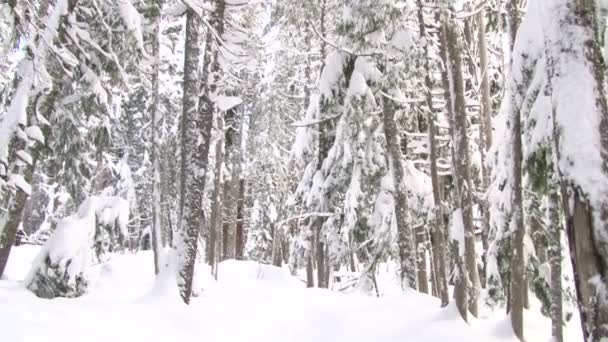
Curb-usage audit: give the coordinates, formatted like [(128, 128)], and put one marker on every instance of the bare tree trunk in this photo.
[(309, 271), (239, 244), (437, 229), (555, 261), (197, 123), (321, 265), (460, 274), (518, 282), (461, 166), (194, 156), (156, 117), (421, 267), (277, 240), (485, 134), (217, 250), (232, 174), (405, 238), (517, 264)]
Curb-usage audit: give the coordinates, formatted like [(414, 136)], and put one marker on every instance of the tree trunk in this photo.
[(421, 267), (277, 240), (437, 228), (485, 135), (321, 262), (156, 117), (216, 249), (195, 123), (239, 244), (517, 263), (518, 282), (555, 261), (232, 157), (405, 238), (310, 282), (461, 166)]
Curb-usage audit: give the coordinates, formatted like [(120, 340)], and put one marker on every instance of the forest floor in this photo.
[(249, 302)]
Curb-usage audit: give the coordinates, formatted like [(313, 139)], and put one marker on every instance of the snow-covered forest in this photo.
[(303, 170)]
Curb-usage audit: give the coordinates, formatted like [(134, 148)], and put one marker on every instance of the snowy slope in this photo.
[(250, 302)]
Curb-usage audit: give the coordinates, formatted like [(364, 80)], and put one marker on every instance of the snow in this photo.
[(358, 86), (16, 113), (331, 73), (132, 21), (225, 103), (35, 133), (69, 249), (578, 116), (19, 182), (249, 302), (457, 230), (25, 157)]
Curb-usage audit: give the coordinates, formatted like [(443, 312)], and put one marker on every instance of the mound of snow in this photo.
[(20, 262), (237, 273)]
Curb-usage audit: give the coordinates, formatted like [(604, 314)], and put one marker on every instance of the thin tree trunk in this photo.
[(195, 123), (460, 272), (421, 266), (320, 253), (405, 238), (485, 134), (156, 118), (277, 239), (437, 230), (232, 157), (310, 282), (239, 244), (555, 262), (461, 167), (518, 281), (217, 251), (517, 263)]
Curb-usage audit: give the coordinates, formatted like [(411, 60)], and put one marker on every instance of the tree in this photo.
[(461, 160), (584, 200), (193, 155)]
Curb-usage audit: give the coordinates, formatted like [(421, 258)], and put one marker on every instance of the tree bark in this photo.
[(239, 244), (485, 134), (461, 166), (437, 228), (405, 239), (518, 282), (217, 248), (421, 266), (555, 261), (156, 117), (196, 122), (517, 263)]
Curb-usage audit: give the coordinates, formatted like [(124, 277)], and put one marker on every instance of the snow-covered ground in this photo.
[(249, 302)]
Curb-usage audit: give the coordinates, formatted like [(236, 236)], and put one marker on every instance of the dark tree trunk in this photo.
[(405, 238), (437, 228), (555, 261), (462, 163), (239, 244)]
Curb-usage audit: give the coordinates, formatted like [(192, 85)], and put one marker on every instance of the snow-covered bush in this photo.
[(60, 269)]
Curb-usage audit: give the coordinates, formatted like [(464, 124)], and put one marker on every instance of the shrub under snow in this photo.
[(60, 269)]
